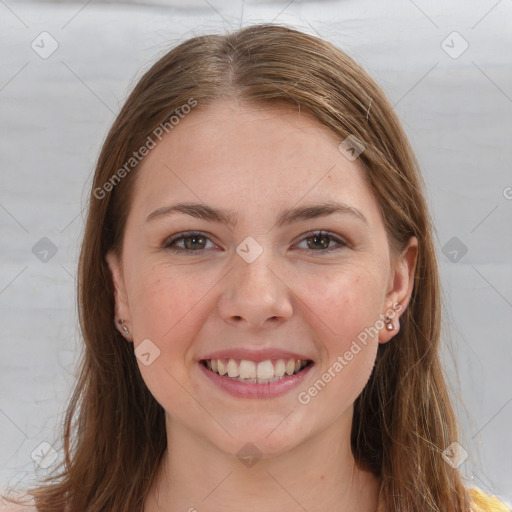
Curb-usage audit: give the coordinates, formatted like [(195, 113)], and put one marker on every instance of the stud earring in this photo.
[(125, 329), (389, 324)]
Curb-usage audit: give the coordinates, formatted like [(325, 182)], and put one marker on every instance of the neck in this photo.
[(320, 474)]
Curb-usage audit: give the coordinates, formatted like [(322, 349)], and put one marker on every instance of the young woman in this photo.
[(259, 297)]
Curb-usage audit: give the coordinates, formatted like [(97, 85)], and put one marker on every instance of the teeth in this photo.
[(247, 369), (265, 370), (232, 368), (221, 369), (280, 368), (250, 371)]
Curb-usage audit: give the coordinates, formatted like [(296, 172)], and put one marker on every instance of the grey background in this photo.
[(55, 112)]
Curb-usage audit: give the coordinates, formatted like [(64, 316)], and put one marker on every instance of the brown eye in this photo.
[(318, 242), (192, 242), (322, 242)]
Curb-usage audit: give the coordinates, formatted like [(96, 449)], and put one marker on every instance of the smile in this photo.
[(261, 372), (250, 379)]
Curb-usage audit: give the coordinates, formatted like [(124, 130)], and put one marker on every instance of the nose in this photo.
[(255, 295)]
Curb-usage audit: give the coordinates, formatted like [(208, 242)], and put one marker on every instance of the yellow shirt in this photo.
[(482, 502)]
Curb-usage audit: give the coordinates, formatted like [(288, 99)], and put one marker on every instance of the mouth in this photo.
[(253, 372)]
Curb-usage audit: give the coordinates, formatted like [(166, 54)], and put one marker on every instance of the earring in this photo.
[(125, 329), (389, 323)]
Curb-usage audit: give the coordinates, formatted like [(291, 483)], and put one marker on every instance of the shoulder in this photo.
[(482, 502), (27, 506)]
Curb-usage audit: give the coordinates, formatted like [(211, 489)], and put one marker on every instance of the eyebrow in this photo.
[(202, 211)]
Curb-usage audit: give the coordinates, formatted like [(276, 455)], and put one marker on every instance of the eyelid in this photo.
[(166, 244), (340, 242)]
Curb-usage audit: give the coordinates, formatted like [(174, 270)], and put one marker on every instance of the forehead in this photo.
[(247, 155)]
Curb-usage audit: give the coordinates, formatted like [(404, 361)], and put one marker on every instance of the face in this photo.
[(252, 237)]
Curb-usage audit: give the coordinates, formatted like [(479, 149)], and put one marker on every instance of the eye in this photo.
[(322, 241), (196, 242), (188, 242)]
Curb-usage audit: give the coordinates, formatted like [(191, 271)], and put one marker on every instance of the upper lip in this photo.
[(254, 355)]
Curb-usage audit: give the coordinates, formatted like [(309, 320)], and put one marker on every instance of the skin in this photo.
[(257, 162)]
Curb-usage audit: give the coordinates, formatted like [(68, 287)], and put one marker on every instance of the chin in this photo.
[(266, 440)]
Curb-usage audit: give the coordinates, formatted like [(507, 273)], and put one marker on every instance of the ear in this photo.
[(122, 310), (400, 289)]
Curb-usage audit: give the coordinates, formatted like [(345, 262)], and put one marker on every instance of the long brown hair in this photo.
[(114, 430)]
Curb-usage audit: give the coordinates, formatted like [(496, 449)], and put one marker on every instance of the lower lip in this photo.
[(254, 390)]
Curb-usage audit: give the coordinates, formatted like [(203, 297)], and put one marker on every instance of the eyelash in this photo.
[(168, 244)]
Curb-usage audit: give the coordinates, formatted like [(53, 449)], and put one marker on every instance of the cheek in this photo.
[(160, 308), (346, 309), (345, 302), (162, 298), (167, 308)]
